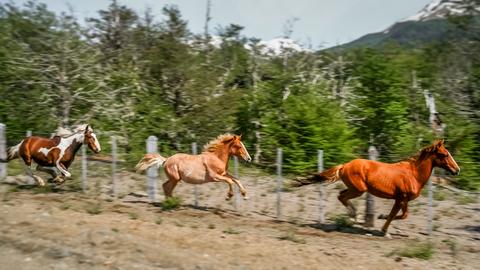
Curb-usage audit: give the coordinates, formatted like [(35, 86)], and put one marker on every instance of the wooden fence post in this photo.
[(370, 211), (30, 180), (114, 166), (279, 183), (321, 191), (195, 187), (84, 169), (152, 172), (430, 205), (3, 152), (235, 174)]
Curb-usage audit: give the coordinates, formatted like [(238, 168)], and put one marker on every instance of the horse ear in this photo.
[(86, 129), (240, 137)]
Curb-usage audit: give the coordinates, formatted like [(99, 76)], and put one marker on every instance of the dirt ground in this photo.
[(64, 228)]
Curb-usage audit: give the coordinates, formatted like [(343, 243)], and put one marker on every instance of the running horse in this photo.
[(401, 181), (53, 155), (209, 166)]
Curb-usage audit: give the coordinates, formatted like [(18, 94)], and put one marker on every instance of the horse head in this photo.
[(91, 140), (237, 148), (443, 159)]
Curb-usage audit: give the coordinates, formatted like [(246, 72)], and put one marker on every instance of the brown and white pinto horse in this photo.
[(401, 181), (55, 154), (209, 166)]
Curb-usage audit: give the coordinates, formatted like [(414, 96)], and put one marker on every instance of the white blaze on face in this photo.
[(97, 143), (454, 162), (245, 149)]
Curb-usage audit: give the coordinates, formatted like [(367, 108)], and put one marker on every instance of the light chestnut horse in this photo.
[(209, 166), (401, 181), (53, 155)]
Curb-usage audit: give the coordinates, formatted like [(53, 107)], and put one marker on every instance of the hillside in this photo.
[(439, 21)]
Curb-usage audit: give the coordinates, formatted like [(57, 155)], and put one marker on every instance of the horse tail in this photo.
[(12, 152), (331, 175), (148, 161)]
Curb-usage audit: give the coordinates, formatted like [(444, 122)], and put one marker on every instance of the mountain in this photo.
[(271, 47), (430, 24), (441, 9)]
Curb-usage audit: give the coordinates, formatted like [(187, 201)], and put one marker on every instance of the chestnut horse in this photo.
[(55, 154), (401, 181), (209, 166)]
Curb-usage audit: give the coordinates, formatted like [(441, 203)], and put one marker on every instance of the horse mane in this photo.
[(422, 154), (65, 132), (62, 132), (214, 144)]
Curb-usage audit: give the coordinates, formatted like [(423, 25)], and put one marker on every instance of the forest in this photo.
[(133, 75)]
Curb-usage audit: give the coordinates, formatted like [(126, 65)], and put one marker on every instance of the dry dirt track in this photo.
[(70, 230)]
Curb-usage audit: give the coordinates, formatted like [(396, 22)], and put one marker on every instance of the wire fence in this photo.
[(269, 196)]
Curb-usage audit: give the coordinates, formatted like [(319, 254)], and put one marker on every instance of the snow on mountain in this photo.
[(440, 9), (267, 47), (278, 45)]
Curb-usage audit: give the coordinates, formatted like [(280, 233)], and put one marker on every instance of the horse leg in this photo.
[(230, 188), (169, 186), (53, 172), (243, 191), (173, 178), (28, 162), (345, 196), (402, 216), (396, 207), (226, 179), (62, 169)]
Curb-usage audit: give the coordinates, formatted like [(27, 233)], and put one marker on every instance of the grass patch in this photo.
[(132, 215), (290, 236), (423, 251), (65, 206), (231, 231), (211, 226), (158, 221), (452, 245), (342, 221), (465, 199), (13, 189), (171, 203), (439, 195), (115, 230), (93, 208), (42, 190)]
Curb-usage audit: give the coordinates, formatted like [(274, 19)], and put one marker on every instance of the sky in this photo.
[(318, 23)]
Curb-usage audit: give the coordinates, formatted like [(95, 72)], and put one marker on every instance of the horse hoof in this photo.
[(387, 235), (246, 198), (227, 198), (382, 216)]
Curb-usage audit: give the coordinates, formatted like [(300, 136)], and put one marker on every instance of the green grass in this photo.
[(13, 189), (439, 195), (231, 231), (171, 203), (65, 206), (93, 208), (423, 251), (465, 199), (133, 215), (158, 221), (452, 245), (290, 236), (42, 190), (342, 221)]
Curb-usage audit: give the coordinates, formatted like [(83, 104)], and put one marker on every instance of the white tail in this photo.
[(12, 152), (148, 161)]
